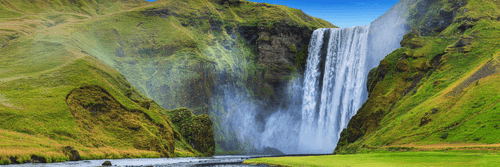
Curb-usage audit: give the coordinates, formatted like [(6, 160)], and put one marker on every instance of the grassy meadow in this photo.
[(48, 83), (23, 146), (387, 159)]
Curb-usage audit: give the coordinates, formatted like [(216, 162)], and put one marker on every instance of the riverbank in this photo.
[(21, 148), (431, 158), (214, 161)]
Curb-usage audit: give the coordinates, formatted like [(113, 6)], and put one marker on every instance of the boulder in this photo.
[(424, 121), (72, 153), (463, 42), (38, 159), (180, 114), (106, 163), (434, 110), (466, 25), (272, 151)]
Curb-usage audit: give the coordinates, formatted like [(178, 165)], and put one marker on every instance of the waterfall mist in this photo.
[(317, 106), (386, 32)]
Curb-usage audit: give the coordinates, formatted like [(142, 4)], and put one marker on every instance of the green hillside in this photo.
[(440, 90), (172, 51), (97, 75)]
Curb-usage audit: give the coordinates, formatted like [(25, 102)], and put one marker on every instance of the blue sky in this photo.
[(342, 13)]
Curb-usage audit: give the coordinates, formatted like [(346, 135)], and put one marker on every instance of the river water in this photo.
[(215, 161)]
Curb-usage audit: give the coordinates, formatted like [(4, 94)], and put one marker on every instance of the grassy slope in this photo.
[(454, 102), (386, 159), (41, 66), (36, 105)]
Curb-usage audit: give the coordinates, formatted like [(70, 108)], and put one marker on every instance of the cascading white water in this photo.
[(333, 89), (334, 85)]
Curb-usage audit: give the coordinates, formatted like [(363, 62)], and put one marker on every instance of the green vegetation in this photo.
[(67, 64), (440, 88), (196, 130), (384, 158)]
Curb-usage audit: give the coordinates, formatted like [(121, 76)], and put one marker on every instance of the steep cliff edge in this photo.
[(439, 88)]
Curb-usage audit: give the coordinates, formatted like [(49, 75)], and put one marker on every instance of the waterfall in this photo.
[(334, 85), (319, 105)]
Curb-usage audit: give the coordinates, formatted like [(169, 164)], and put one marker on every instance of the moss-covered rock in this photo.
[(72, 153), (180, 114), (93, 108), (402, 65), (196, 130)]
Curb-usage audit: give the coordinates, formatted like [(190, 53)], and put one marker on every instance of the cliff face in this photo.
[(282, 52), (197, 54), (438, 87)]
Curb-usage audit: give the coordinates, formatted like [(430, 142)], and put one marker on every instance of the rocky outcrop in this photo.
[(93, 108), (436, 21), (106, 163), (282, 50), (197, 130), (38, 159), (227, 3), (271, 151), (71, 152), (490, 68)]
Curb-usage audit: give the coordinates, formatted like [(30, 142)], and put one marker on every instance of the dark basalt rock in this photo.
[(278, 47), (72, 153), (424, 121), (230, 2), (106, 163), (162, 13), (434, 110), (445, 20), (272, 151), (13, 160), (436, 21), (215, 24), (463, 42), (465, 25), (37, 159), (436, 60)]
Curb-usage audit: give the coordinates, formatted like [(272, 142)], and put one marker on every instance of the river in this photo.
[(215, 161)]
